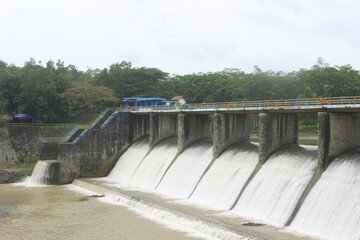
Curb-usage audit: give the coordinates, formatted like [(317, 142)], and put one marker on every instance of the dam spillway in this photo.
[(128, 163), (207, 162), (272, 193), (332, 208), (222, 184), (154, 165), (187, 170)]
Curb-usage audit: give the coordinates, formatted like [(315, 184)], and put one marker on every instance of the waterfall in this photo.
[(182, 177), (274, 191), (332, 208), (153, 167), (129, 161), (223, 182), (45, 172)]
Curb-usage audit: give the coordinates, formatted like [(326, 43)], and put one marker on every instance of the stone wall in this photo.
[(13, 175), (20, 141)]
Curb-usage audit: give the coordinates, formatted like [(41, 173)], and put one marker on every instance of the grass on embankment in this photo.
[(304, 139), (25, 165), (28, 161)]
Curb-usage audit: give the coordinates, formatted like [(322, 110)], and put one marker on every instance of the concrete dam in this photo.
[(206, 159)]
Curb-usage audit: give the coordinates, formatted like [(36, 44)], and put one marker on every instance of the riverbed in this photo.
[(58, 212)]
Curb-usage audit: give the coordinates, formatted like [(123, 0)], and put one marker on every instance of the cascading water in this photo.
[(153, 167), (275, 190), (223, 182), (129, 161), (182, 177), (41, 173), (332, 208)]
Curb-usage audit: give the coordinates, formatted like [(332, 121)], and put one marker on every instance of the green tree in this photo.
[(88, 98)]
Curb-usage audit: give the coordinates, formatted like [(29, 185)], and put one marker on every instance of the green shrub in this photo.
[(308, 129)]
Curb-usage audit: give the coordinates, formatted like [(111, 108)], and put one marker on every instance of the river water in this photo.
[(58, 212)]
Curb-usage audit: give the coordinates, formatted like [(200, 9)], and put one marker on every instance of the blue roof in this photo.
[(143, 99), (23, 116)]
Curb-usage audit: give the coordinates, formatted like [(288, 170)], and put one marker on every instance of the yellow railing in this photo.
[(282, 103), (44, 125)]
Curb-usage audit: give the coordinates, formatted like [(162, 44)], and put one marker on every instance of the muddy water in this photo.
[(56, 212)]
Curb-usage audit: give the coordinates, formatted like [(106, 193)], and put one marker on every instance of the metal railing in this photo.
[(44, 125), (242, 105), (282, 103)]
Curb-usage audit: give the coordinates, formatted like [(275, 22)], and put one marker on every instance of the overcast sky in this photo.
[(182, 36)]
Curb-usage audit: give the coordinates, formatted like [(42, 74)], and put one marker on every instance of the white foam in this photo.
[(223, 182), (129, 161), (153, 167), (182, 177), (275, 190), (332, 208)]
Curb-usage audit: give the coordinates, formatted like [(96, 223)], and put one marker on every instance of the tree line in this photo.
[(55, 91)]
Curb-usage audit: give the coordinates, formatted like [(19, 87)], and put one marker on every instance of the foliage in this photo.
[(308, 128), (55, 91), (87, 98)]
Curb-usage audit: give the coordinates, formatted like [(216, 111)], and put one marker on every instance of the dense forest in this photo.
[(55, 91)]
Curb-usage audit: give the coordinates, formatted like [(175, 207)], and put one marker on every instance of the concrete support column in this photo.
[(228, 129), (181, 132), (276, 130), (153, 130), (219, 134), (323, 140)]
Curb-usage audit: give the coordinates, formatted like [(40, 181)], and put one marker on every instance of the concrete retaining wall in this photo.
[(96, 152), (16, 141)]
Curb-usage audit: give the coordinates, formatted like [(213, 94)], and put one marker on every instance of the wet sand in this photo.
[(55, 212)]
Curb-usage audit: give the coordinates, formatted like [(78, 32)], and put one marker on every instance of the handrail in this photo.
[(45, 125), (280, 103)]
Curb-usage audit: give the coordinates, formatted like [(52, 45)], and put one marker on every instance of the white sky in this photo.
[(182, 36)]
